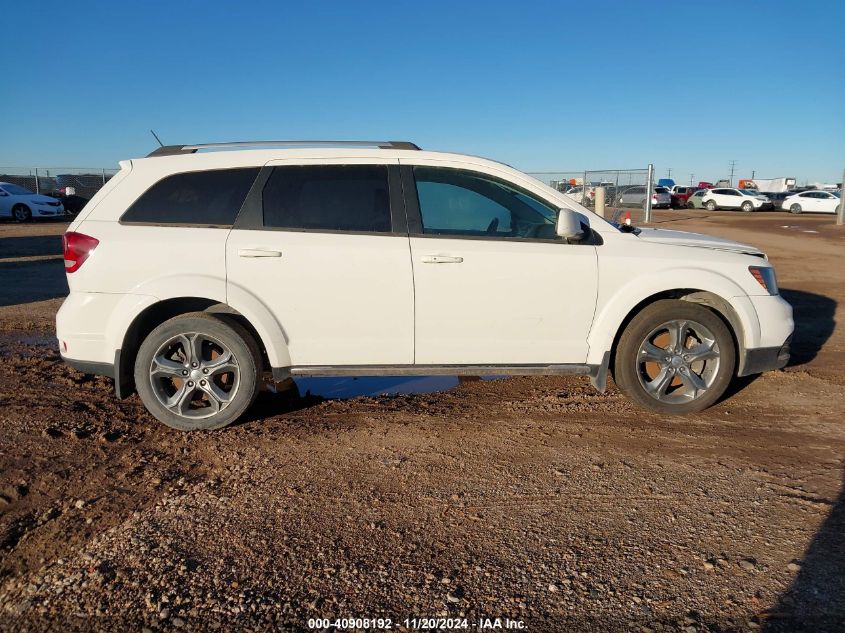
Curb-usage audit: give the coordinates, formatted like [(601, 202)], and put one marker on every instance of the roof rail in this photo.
[(174, 150)]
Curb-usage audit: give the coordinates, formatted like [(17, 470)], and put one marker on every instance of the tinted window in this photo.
[(199, 197), (328, 198), (661, 190), (456, 202)]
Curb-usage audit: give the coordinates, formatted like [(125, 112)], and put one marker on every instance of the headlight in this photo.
[(765, 276)]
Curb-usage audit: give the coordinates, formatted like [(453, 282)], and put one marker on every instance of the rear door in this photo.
[(324, 245), (493, 282)]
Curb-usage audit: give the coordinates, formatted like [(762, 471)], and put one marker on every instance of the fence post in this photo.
[(649, 190), (840, 215), (37, 184)]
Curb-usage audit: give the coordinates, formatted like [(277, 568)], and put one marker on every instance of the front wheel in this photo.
[(711, 205), (795, 208), (748, 207), (21, 213), (198, 371), (675, 357)]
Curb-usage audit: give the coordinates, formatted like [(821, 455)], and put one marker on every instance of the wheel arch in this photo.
[(266, 332), (720, 306)]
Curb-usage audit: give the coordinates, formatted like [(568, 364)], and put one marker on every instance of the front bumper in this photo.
[(762, 359)]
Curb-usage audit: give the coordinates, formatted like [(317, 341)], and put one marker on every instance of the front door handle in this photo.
[(441, 259), (258, 252)]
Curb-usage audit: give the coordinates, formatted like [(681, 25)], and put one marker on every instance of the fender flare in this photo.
[(613, 314), (270, 332)]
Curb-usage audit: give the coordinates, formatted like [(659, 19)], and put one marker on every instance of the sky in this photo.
[(542, 86)]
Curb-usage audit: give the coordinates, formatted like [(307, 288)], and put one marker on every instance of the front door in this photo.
[(493, 283), (321, 248)]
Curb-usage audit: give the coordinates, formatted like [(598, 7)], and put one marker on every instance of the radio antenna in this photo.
[(157, 138)]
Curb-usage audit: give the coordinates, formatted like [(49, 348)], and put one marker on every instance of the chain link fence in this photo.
[(78, 182), (622, 187)]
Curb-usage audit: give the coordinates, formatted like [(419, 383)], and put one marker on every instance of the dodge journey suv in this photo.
[(197, 269)]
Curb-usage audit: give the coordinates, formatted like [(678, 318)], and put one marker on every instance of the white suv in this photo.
[(195, 270), (727, 198)]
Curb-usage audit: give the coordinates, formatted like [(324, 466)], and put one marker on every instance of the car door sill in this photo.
[(432, 370)]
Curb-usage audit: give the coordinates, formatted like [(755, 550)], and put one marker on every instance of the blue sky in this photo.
[(539, 85)]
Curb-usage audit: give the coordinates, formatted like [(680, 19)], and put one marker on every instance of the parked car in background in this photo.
[(777, 198), (680, 194), (73, 203), (703, 184), (577, 194), (812, 201), (635, 197), (696, 200), (84, 185), (730, 198), (22, 204)]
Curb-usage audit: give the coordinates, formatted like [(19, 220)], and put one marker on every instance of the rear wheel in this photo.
[(21, 213), (690, 204), (198, 371), (795, 208), (747, 207), (675, 357)]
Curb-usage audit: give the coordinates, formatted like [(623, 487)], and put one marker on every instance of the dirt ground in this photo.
[(534, 499)]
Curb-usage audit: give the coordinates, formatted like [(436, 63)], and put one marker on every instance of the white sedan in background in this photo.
[(730, 198), (22, 204), (813, 201)]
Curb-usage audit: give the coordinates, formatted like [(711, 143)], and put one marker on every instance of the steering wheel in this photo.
[(493, 226)]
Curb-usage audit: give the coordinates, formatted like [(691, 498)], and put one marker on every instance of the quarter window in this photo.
[(210, 198), (328, 198), (463, 203)]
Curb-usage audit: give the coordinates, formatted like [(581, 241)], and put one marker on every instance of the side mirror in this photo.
[(569, 225)]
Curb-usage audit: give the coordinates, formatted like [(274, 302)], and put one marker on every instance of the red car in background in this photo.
[(680, 195)]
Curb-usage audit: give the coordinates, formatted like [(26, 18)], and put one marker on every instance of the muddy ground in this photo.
[(529, 498)]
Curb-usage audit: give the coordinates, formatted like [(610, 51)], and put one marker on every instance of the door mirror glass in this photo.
[(569, 225)]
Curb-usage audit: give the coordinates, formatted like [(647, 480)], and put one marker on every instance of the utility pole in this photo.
[(733, 169), (753, 173), (669, 173), (690, 179)]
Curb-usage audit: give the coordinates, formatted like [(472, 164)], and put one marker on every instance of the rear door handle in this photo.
[(258, 252), (441, 259)]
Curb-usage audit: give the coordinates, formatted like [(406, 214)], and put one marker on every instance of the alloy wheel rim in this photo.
[(678, 361), (194, 375)]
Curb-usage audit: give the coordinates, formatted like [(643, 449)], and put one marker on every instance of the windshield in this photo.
[(750, 192), (15, 190)]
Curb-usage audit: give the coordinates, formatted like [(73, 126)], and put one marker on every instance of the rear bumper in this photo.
[(88, 367), (762, 359)]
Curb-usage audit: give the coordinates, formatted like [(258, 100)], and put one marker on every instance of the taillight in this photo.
[(77, 247)]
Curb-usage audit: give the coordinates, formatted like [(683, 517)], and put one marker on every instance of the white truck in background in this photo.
[(774, 185)]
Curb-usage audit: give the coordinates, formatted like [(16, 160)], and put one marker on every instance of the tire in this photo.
[(711, 205), (690, 205), (21, 213), (795, 208), (693, 385), (747, 207), (232, 383)]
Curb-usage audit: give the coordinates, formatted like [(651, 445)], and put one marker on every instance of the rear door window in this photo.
[(353, 198), (205, 198)]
